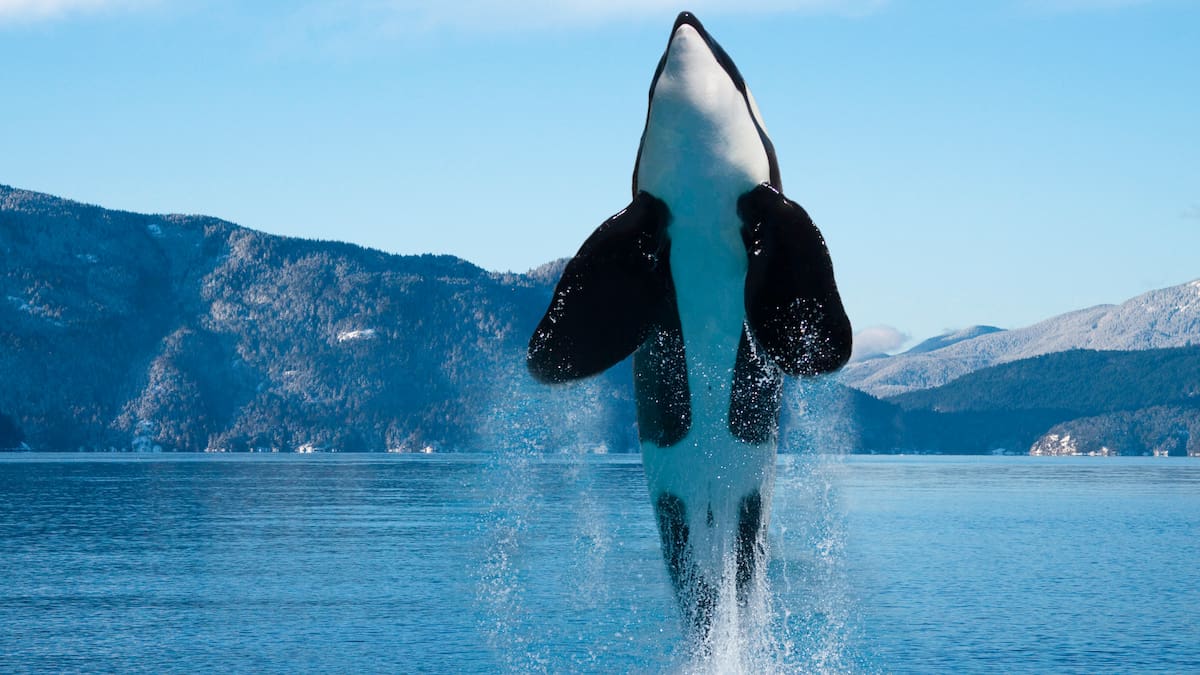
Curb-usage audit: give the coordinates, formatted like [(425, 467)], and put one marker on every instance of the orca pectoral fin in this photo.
[(792, 302), (610, 296)]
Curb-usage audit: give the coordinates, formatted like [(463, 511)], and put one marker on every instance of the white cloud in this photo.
[(876, 340), (481, 13), (406, 17), (29, 11), (1059, 6)]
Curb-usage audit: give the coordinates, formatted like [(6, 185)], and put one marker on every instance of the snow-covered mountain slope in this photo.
[(1167, 317), (953, 337)]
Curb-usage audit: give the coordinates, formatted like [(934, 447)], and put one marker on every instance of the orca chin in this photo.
[(719, 286)]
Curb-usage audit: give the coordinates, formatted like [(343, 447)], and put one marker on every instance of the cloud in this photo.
[(397, 18), (876, 340), (1064, 6), (1191, 213), (517, 13), (30, 11)]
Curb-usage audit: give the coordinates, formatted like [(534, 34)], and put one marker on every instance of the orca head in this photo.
[(701, 115)]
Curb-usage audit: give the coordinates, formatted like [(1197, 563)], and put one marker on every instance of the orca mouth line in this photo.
[(689, 19), (727, 64), (731, 71)]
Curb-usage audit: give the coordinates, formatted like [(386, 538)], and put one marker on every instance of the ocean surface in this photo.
[(524, 563)]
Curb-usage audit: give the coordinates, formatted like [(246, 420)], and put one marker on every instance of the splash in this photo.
[(813, 623), (549, 528), (571, 575)]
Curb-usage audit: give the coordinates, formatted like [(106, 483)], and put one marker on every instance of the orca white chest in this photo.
[(701, 151)]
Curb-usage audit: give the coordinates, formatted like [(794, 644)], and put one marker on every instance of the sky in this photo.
[(994, 162)]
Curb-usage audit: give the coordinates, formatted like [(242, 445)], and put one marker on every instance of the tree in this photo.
[(10, 434)]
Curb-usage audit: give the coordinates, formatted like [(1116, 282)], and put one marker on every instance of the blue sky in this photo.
[(969, 162)]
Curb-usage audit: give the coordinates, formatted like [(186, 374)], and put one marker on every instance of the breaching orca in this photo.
[(718, 285)]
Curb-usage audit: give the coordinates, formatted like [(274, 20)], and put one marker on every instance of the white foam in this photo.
[(359, 334)]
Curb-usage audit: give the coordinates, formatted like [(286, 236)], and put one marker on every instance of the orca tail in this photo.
[(698, 595)]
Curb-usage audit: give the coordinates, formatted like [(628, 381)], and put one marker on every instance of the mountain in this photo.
[(191, 333), (1079, 381), (1162, 431), (1074, 402), (187, 333), (953, 337), (1168, 317)]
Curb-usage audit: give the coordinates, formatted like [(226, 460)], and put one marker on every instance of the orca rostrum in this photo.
[(719, 285)]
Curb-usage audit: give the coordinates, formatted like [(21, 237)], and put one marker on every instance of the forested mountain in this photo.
[(1074, 402), (186, 333), (1079, 381), (190, 333)]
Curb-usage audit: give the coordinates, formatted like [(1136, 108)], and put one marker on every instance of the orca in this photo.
[(718, 285)]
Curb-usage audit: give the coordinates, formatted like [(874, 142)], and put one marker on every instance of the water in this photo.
[(525, 564)]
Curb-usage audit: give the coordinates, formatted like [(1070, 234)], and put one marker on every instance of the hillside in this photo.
[(954, 337), (1082, 381), (186, 333), (1162, 431), (1076, 402), (190, 333), (1163, 318)]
